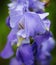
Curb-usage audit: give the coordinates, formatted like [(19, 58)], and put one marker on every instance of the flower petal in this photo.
[(33, 24), (47, 24), (7, 51), (25, 54), (43, 15), (48, 45), (13, 34)]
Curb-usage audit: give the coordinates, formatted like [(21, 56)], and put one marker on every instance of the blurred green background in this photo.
[(4, 30)]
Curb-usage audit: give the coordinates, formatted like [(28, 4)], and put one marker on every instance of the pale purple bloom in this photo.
[(17, 14), (28, 24), (30, 29)]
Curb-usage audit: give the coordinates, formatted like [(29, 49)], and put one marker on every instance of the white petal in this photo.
[(42, 16)]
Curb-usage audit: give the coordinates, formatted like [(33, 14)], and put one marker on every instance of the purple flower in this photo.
[(32, 25), (26, 24), (17, 15)]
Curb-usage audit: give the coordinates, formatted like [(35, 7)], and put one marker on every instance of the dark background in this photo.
[(4, 30)]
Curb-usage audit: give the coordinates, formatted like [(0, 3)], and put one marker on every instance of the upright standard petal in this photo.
[(33, 24)]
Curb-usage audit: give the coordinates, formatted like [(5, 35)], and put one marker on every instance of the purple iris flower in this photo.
[(16, 12), (30, 30), (30, 21), (25, 23)]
